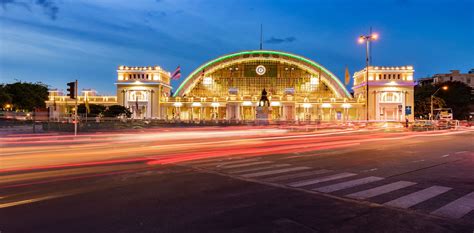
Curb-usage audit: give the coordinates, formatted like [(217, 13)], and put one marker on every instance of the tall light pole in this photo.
[(432, 97), (367, 39)]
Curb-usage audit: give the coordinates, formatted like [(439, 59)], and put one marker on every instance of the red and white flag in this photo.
[(176, 74)]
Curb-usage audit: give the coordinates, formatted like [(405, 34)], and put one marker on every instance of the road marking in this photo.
[(245, 164), (461, 152), (445, 156), (417, 161), (321, 179), (458, 208), (347, 184), (380, 190), (227, 162), (273, 172), (370, 170), (210, 162), (297, 175), (259, 168), (192, 162), (412, 199)]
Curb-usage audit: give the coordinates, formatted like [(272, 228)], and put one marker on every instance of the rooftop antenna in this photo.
[(261, 36)]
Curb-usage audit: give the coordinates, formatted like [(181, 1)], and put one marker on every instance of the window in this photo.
[(384, 76), (390, 97), (398, 76)]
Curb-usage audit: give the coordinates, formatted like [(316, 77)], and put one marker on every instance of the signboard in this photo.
[(407, 110)]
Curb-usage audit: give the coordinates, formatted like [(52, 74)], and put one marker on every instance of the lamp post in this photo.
[(367, 39), (432, 97)]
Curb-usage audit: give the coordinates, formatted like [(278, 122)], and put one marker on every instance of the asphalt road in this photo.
[(238, 179)]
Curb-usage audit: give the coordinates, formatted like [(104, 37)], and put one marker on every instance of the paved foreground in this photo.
[(239, 180)]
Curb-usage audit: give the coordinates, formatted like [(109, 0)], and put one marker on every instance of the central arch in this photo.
[(327, 77)]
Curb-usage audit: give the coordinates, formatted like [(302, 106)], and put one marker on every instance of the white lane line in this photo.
[(245, 164), (444, 156), (221, 161), (258, 168), (273, 172), (461, 152), (412, 199), (347, 184), (458, 208), (321, 179), (370, 170), (380, 190), (297, 175)]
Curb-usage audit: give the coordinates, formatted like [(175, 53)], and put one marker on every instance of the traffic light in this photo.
[(71, 90)]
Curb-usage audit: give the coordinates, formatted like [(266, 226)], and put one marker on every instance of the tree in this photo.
[(117, 110), (95, 109), (5, 97), (423, 101), (25, 96), (457, 97)]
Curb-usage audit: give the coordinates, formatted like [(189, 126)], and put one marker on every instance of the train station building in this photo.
[(230, 88)]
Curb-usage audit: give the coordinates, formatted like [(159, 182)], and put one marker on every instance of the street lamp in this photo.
[(432, 97), (367, 39)]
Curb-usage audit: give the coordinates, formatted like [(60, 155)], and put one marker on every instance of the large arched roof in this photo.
[(333, 82)]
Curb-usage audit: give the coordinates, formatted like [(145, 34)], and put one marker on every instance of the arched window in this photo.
[(390, 97)]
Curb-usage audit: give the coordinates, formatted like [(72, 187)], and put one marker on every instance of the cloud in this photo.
[(4, 4), (49, 7), (275, 40)]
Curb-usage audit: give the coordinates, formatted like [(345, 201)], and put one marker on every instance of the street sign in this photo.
[(407, 110)]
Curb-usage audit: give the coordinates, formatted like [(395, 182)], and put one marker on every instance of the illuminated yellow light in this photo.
[(307, 105), (314, 81), (275, 103), (361, 40), (247, 103), (392, 83), (196, 104), (207, 81), (445, 88), (346, 105), (410, 77), (178, 104), (326, 105), (7, 106), (156, 77), (375, 36)]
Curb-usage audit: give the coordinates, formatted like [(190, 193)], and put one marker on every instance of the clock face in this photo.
[(260, 70)]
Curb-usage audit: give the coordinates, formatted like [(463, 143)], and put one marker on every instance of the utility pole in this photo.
[(367, 39), (75, 111)]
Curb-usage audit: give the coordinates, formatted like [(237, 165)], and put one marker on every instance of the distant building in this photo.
[(455, 75)]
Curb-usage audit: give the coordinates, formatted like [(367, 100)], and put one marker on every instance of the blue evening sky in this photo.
[(56, 41)]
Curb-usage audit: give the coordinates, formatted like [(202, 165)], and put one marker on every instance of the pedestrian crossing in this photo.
[(341, 183)]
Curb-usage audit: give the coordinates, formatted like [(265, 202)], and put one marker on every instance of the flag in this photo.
[(176, 74), (348, 77), (86, 103)]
